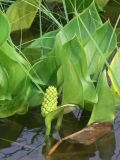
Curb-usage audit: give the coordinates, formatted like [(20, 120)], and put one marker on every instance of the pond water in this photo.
[(22, 138)]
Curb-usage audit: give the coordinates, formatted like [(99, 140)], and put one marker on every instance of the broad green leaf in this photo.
[(46, 41), (21, 13), (40, 47), (77, 84), (4, 28), (105, 109), (88, 20), (18, 105), (72, 86), (45, 71), (115, 67), (35, 97), (105, 40), (13, 64)]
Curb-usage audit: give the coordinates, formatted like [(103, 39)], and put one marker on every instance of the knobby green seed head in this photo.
[(50, 101)]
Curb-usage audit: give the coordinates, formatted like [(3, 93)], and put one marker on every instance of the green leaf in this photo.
[(101, 3), (35, 97), (77, 5), (72, 86), (22, 13), (105, 109), (4, 28), (45, 71), (40, 47), (18, 105), (88, 20), (4, 80), (115, 67), (58, 113), (77, 84), (13, 65), (105, 40)]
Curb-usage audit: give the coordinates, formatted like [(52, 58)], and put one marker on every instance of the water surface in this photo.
[(22, 138)]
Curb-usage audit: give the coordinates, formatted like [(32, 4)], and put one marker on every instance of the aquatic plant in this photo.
[(74, 58)]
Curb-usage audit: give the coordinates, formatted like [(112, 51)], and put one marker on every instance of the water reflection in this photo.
[(22, 138), (21, 142), (99, 150)]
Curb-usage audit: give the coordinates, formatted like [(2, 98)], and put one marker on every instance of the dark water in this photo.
[(22, 138)]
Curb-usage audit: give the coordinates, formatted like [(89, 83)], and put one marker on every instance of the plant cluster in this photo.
[(74, 58)]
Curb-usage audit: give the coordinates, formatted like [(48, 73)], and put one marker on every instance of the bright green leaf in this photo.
[(18, 105), (4, 81), (105, 40), (22, 13), (45, 71), (101, 3), (4, 28), (77, 84), (115, 67), (88, 20), (105, 109), (13, 64)]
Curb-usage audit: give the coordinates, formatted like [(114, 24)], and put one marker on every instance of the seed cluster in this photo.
[(50, 101)]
